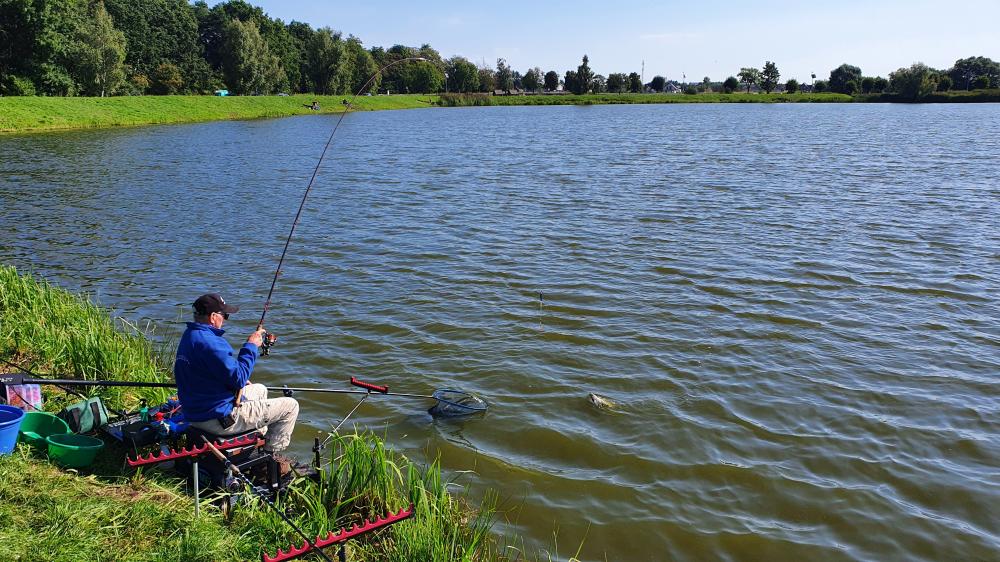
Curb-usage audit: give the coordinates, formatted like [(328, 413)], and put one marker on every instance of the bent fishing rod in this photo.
[(269, 339)]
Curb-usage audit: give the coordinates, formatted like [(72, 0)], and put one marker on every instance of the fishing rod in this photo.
[(449, 402), (16, 378), (269, 339)]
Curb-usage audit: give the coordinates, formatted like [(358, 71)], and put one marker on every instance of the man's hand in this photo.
[(257, 338)]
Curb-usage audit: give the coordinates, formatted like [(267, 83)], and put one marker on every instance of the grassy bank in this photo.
[(105, 513), (956, 96), (456, 100), (25, 114)]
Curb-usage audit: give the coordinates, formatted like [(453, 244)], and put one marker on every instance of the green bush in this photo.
[(17, 86), (461, 100), (981, 83)]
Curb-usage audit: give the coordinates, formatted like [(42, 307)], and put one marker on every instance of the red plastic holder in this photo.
[(341, 536), (369, 386), (192, 451)]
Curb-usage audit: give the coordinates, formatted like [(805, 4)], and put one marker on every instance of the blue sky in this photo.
[(708, 38)]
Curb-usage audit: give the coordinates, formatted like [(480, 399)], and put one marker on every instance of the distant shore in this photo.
[(40, 113)]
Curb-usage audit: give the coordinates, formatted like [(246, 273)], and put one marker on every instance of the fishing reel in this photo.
[(268, 340)]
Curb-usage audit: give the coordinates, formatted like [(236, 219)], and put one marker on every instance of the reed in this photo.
[(364, 480)]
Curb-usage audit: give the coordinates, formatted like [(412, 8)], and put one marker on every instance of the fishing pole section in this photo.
[(448, 402)]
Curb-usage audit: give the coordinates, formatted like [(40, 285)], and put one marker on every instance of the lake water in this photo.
[(796, 306)]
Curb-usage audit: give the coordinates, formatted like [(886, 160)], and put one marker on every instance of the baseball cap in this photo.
[(213, 302)]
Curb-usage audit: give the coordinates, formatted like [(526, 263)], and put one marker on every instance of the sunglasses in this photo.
[(225, 315)]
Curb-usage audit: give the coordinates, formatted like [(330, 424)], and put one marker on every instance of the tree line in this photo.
[(132, 47)]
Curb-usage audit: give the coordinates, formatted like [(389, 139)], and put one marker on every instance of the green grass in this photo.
[(106, 512), (453, 100), (53, 515), (954, 96), (49, 330), (25, 114)]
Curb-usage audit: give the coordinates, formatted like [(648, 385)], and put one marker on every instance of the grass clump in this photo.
[(364, 480), (49, 330)]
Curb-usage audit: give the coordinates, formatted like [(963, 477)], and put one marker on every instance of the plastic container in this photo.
[(39, 425), (73, 451), (10, 422)]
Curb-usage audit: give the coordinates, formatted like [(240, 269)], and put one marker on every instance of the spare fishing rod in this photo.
[(269, 339)]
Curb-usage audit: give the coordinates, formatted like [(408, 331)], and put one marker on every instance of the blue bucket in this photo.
[(10, 422)]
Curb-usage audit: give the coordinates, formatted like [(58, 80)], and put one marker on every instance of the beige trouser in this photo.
[(274, 417)]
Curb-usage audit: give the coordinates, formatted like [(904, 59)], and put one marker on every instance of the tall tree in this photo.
[(463, 76), (965, 71), (100, 58), (658, 83), (325, 58), (432, 69), (39, 42), (584, 75), (532, 80), (359, 67), (749, 77), (301, 34), (570, 82), (634, 82), (487, 80), (840, 76), (426, 78), (617, 82), (247, 63), (504, 77), (769, 77), (912, 83), (551, 81), (157, 32)]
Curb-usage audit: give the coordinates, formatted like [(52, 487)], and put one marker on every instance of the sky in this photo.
[(713, 38)]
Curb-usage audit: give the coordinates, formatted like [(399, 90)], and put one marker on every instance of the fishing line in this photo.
[(298, 214)]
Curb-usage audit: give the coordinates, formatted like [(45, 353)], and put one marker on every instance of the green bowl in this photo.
[(73, 451), (39, 425)]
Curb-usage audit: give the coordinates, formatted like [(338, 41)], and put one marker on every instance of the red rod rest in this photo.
[(192, 451), (369, 386), (341, 536)]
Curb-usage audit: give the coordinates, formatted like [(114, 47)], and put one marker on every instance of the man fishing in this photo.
[(209, 380)]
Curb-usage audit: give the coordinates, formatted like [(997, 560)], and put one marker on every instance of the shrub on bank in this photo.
[(951, 96)]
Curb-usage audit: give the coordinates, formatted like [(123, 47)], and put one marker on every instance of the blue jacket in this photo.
[(207, 374)]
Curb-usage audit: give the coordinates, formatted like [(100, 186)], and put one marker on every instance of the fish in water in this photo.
[(602, 402)]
